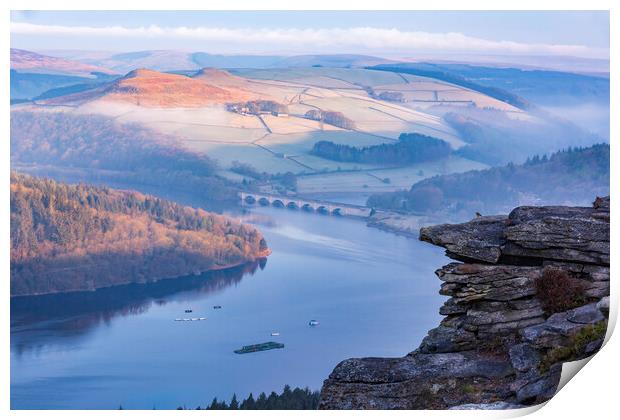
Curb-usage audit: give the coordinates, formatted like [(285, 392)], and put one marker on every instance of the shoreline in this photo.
[(407, 225), (259, 256)]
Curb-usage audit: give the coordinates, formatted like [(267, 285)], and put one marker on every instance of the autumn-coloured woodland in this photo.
[(81, 237)]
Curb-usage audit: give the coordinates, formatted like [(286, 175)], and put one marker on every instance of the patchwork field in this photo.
[(374, 180), (317, 76), (380, 105), (418, 92)]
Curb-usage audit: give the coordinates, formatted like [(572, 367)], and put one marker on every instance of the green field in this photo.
[(372, 180)]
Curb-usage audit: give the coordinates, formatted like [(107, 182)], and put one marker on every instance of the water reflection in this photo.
[(73, 315), (370, 290)]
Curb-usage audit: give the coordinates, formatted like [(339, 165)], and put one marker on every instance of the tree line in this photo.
[(571, 176), (288, 399), (258, 107), (410, 148), (287, 180), (335, 118)]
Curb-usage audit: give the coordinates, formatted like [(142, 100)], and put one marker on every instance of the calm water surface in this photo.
[(374, 294)]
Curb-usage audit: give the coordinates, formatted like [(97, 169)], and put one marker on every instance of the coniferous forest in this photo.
[(288, 399), (576, 174), (81, 237), (410, 148)]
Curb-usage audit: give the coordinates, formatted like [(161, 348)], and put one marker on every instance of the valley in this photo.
[(273, 197), (196, 112)]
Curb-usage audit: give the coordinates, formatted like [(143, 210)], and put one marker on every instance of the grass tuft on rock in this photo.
[(576, 350)]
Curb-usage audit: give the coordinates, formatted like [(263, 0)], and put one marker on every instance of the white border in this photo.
[(592, 395)]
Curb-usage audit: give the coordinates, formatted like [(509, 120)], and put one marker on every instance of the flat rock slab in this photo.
[(474, 282), (478, 240), (529, 236), (409, 382)]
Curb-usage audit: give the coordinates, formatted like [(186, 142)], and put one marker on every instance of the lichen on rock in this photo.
[(498, 346)]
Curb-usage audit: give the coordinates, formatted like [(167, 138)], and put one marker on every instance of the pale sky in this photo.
[(387, 33)]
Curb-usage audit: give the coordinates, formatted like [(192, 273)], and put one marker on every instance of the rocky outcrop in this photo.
[(498, 346), (529, 235)]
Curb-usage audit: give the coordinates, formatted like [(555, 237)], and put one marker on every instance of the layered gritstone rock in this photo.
[(497, 346)]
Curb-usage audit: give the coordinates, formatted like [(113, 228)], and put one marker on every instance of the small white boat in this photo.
[(178, 319), (275, 334), (202, 318), (186, 319), (313, 323)]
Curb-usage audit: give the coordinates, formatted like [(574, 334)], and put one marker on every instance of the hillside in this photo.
[(543, 87), (208, 112), (576, 98), (148, 88), (218, 77), (494, 139), (97, 149), (33, 85), (566, 177), (438, 73), (80, 237), (38, 63), (194, 110)]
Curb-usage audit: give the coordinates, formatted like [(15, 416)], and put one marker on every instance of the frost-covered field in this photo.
[(283, 143), (373, 180)]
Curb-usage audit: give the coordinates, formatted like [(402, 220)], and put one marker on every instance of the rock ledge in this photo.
[(497, 347)]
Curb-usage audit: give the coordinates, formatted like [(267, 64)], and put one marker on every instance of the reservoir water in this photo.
[(373, 293)]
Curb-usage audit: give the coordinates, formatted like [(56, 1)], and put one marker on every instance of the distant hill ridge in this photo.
[(212, 73), (29, 61), (151, 88)]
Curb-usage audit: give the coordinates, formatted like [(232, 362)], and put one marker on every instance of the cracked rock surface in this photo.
[(496, 347)]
